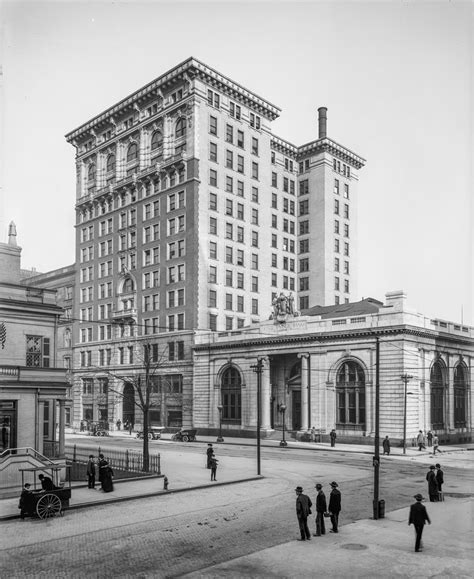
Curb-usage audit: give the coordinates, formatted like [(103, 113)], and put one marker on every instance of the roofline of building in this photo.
[(335, 149), (190, 65)]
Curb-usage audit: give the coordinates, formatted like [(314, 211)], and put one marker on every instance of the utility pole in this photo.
[(406, 378), (376, 460), (258, 369)]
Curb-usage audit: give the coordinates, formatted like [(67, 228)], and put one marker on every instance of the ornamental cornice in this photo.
[(283, 146), (185, 71), (330, 146)]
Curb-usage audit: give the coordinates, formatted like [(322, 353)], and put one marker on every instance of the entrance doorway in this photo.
[(128, 404), (296, 409)]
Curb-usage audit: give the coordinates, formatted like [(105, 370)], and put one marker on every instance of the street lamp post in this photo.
[(406, 378), (219, 438), (258, 369), (283, 410)]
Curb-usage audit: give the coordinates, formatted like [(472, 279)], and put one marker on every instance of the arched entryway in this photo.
[(128, 404), (460, 396), (350, 396), (294, 387), (437, 379)]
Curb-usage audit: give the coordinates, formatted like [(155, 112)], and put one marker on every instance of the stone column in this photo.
[(62, 425), (40, 426), (304, 391), (450, 395), (265, 395)]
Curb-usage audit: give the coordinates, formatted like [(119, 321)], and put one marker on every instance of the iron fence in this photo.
[(127, 460)]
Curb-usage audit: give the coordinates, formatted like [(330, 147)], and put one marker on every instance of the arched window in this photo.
[(437, 396), (180, 130), (350, 393), (132, 153), (91, 173), (156, 140), (111, 163), (128, 286), (231, 385), (460, 396)]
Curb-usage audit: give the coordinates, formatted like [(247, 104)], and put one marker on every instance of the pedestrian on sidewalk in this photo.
[(333, 437), (321, 508), (91, 472), (432, 484), (420, 441), (435, 444), (439, 480), (429, 438), (209, 453), (418, 516), (334, 507), (130, 427), (24, 503), (386, 445), (213, 467), (303, 510), (119, 424)]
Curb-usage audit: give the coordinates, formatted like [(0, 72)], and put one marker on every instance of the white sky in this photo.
[(396, 78)]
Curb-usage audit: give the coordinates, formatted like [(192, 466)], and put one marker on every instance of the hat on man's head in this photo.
[(432, 467), (27, 485), (41, 476), (418, 497), (318, 486), (299, 489), (334, 484), (438, 465)]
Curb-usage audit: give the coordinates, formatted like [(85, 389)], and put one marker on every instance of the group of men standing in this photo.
[(303, 510), (105, 473), (431, 439), (435, 478)]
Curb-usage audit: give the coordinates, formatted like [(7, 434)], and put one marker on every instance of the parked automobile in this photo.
[(185, 435), (154, 433)]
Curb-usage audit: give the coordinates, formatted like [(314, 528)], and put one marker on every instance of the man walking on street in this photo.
[(439, 479), (209, 453), (429, 437), (432, 484), (420, 441), (303, 509), (334, 507), (213, 467), (386, 445), (321, 508), (435, 444), (333, 437), (418, 516)]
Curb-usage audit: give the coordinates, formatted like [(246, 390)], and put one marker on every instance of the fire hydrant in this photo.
[(165, 483)]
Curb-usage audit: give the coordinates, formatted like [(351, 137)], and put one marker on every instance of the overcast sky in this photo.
[(396, 78)]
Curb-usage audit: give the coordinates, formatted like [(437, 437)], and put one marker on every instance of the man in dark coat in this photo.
[(91, 472), (418, 516), (439, 477), (209, 452), (46, 483), (213, 467), (24, 505), (333, 437), (386, 445), (432, 484), (334, 507), (321, 508), (303, 509)]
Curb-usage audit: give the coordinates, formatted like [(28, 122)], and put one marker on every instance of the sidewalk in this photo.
[(369, 549)]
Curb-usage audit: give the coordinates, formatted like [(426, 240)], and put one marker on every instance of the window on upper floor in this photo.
[(37, 351), (156, 140), (110, 163), (180, 129)]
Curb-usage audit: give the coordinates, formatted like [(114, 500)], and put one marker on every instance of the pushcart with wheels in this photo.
[(45, 504)]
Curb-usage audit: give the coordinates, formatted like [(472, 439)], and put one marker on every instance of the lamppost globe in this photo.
[(283, 410), (219, 438)]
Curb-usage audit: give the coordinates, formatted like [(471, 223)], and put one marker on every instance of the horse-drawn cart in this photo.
[(45, 503)]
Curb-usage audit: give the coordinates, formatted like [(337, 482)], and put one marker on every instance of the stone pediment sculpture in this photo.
[(283, 308)]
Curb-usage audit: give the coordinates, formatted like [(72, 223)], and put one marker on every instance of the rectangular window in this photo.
[(229, 134), (213, 250), (240, 280), (229, 159), (37, 351), (212, 225), (213, 322), (346, 230), (336, 186), (240, 164), (254, 146), (240, 188), (255, 171), (228, 301), (240, 257), (213, 177), (213, 125), (212, 299), (213, 152), (212, 274), (240, 139), (346, 249), (229, 207), (229, 184), (213, 201), (346, 190)]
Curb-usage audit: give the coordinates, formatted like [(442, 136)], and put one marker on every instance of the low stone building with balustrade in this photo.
[(319, 370)]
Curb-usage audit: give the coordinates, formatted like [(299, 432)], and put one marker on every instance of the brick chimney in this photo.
[(322, 122)]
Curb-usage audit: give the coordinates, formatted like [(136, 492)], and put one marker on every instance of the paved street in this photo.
[(174, 534)]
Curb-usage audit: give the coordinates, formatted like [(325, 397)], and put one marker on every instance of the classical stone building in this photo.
[(33, 386), (191, 214), (320, 368)]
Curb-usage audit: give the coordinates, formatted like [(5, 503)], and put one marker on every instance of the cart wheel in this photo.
[(48, 506), (185, 438)]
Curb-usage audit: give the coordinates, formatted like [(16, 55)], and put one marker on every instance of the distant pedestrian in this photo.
[(334, 507), (420, 441), (333, 437), (91, 472), (119, 424), (83, 426), (432, 484), (435, 444), (418, 516), (429, 437), (213, 467), (386, 445), (439, 478), (209, 453), (321, 508), (303, 510), (24, 503), (130, 427), (313, 434)]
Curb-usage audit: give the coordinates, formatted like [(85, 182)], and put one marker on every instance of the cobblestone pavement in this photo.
[(171, 535)]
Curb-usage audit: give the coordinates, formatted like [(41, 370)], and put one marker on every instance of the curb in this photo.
[(143, 496)]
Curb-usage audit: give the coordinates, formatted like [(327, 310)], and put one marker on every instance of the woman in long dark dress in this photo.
[(105, 475)]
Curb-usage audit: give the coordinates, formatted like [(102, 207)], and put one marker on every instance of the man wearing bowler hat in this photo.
[(303, 509), (418, 516), (321, 508), (334, 507)]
